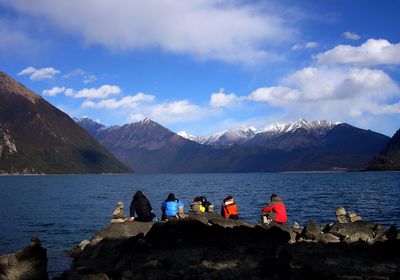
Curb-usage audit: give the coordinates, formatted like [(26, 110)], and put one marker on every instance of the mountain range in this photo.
[(36, 137), (147, 146)]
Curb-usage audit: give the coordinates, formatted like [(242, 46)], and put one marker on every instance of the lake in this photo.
[(62, 210)]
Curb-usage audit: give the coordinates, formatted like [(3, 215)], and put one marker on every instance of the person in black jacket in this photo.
[(140, 206)]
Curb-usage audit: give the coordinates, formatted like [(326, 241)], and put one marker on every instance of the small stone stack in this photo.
[(341, 215), (344, 217), (118, 214), (353, 217)]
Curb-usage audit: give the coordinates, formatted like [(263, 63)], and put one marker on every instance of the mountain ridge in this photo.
[(162, 150), (38, 138), (246, 133)]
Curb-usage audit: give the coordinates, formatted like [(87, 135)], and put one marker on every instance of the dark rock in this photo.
[(28, 264), (311, 231), (392, 233), (352, 232), (206, 246), (328, 238), (358, 260)]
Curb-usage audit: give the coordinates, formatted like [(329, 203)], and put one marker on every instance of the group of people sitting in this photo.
[(172, 208)]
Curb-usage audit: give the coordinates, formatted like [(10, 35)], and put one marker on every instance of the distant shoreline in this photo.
[(181, 173)]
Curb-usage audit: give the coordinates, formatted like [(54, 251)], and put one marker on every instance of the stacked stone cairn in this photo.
[(118, 214), (344, 217)]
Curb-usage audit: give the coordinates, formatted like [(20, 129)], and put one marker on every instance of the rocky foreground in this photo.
[(206, 246)]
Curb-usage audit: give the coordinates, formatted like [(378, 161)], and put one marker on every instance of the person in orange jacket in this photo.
[(229, 208), (276, 210)]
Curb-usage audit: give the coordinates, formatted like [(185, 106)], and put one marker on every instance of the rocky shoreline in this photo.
[(207, 246)]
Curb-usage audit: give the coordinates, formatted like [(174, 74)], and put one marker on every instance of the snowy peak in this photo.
[(146, 121), (188, 136), (246, 133), (321, 126), (224, 138)]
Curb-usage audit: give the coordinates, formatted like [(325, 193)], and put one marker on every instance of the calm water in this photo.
[(63, 210)]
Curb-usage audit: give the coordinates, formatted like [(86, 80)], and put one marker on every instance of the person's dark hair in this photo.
[(273, 195), (229, 197), (138, 195), (171, 197)]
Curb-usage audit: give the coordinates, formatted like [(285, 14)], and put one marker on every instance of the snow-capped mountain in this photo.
[(317, 127), (224, 138), (198, 139), (246, 133), (146, 146)]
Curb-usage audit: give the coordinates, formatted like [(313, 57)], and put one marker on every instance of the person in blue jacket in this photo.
[(170, 207)]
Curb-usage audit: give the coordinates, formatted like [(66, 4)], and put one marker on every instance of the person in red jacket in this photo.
[(229, 209), (275, 210)]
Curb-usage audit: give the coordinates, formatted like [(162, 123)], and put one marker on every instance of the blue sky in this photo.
[(208, 65)]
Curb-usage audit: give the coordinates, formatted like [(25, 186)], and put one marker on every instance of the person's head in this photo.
[(228, 198), (171, 197), (203, 199), (138, 195), (275, 198)]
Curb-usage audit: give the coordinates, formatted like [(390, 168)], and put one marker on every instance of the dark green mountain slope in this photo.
[(389, 158), (36, 137)]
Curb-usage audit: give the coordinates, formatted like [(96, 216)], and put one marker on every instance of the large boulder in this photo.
[(28, 264), (115, 231), (312, 231), (195, 247), (358, 231), (206, 246)]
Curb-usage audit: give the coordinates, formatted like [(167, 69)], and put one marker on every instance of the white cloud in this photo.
[(125, 102), (234, 31), (136, 117), (333, 92), (87, 77), (39, 74), (177, 111), (385, 109), (89, 104), (330, 83), (371, 53), (69, 92), (275, 96), (308, 45), (54, 91), (351, 36), (96, 93), (220, 99)]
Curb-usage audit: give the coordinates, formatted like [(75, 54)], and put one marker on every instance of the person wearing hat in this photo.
[(275, 210)]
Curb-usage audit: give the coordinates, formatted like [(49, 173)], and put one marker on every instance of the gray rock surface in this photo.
[(27, 264), (206, 246), (311, 231)]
